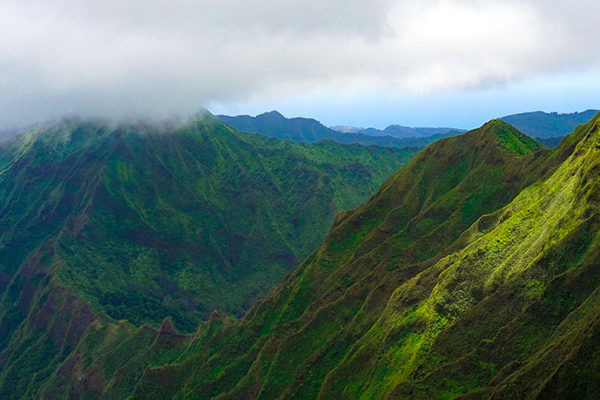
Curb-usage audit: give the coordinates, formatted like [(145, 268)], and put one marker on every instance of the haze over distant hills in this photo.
[(548, 127), (309, 130), (397, 131), (544, 125)]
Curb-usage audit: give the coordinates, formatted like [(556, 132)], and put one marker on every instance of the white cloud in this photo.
[(156, 57)]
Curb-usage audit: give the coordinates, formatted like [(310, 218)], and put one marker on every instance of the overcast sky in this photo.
[(368, 63)]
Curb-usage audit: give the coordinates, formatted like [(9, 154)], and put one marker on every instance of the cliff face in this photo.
[(142, 222), (503, 308)]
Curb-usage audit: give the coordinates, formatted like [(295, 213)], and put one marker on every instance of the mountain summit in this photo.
[(308, 130)]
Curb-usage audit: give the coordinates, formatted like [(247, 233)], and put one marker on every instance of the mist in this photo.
[(158, 59)]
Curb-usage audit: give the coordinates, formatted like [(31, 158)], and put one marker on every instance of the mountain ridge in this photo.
[(293, 373), (304, 302), (322, 313), (135, 222), (443, 284), (309, 130), (164, 193), (399, 131), (544, 125)]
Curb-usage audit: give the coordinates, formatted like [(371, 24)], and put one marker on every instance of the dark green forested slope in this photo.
[(504, 305), (142, 222), (356, 319)]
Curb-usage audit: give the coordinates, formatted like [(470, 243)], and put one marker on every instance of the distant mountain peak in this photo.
[(310, 130), (494, 125), (203, 113), (400, 131), (540, 124), (272, 114)]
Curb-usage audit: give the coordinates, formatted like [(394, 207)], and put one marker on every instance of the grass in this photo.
[(471, 272)]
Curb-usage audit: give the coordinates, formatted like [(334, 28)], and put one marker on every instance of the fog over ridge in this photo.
[(155, 58)]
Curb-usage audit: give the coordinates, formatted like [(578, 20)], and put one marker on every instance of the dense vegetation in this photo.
[(472, 273), (141, 222), (426, 291), (307, 130)]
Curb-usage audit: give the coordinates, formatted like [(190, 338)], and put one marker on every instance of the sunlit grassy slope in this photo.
[(471, 273), (362, 313), (446, 295)]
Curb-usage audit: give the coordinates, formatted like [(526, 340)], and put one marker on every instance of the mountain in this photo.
[(547, 128), (548, 125), (401, 132), (311, 326), (276, 125), (469, 270), (308, 130), (480, 283), (471, 273), (137, 222)]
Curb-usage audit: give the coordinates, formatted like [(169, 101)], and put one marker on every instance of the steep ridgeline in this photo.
[(307, 130), (361, 316), (426, 291), (142, 222), (548, 127)]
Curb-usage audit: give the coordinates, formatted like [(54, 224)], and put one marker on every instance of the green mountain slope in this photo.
[(472, 273), (139, 196), (337, 295), (319, 332), (507, 308), (141, 222)]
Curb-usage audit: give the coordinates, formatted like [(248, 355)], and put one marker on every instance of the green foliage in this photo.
[(360, 317), (513, 141), (471, 273), (144, 222)]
